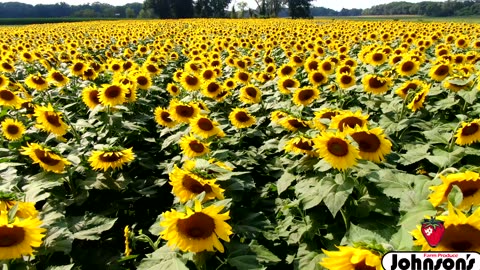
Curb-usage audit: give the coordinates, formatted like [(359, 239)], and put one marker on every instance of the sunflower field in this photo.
[(236, 144)]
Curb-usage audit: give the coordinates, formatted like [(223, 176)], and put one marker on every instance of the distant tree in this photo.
[(299, 8), (211, 8), (161, 8), (183, 8), (241, 6), (130, 13), (233, 13)]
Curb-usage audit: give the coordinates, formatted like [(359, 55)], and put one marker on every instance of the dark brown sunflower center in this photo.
[(109, 157), (350, 121), (313, 65), (287, 70), (196, 146), (442, 70), (2, 80), (13, 129), (304, 145), (44, 157), (470, 129), (174, 89), (127, 65), (53, 119), (78, 67), (89, 72), (337, 147), (213, 87), (328, 115), (142, 80), (367, 142), (288, 83), (327, 66), (419, 97), (318, 77), (376, 83), (197, 226), (38, 80), (10, 237), (194, 186), (306, 94), (151, 68), (296, 124), (377, 57), (93, 96), (346, 79), (166, 117), (252, 92), (230, 84), (241, 64), (243, 76), (191, 80), (57, 76), (410, 86), (468, 188), (6, 95), (7, 66), (345, 69), (222, 94), (408, 66), (462, 237), (242, 117), (363, 266), (208, 74), (113, 91), (461, 42), (116, 67), (205, 124)]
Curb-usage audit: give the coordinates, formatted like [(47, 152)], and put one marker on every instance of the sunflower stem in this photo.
[(451, 142)]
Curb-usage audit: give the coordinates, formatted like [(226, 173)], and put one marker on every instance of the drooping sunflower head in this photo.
[(348, 120), (301, 145), (337, 150), (197, 230), (9, 98), (293, 124), (183, 112), (376, 84), (469, 184), (204, 127), (468, 133), (352, 258), (276, 116), (163, 117), (461, 233), (45, 157), (12, 129), (287, 84), (36, 82), (250, 94), (110, 158), (440, 71), (50, 120), (419, 98), (20, 237), (372, 144), (187, 185), (4, 81), (408, 87), (241, 118), (112, 94), (193, 147), (9, 201), (305, 95)]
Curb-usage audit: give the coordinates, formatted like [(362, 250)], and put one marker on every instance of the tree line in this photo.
[(427, 8), (94, 10)]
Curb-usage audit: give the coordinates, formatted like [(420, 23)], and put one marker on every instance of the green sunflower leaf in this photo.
[(163, 258), (455, 196)]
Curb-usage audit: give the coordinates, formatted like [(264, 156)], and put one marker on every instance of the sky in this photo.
[(335, 5)]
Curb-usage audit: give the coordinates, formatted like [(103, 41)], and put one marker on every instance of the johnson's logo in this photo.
[(431, 261)]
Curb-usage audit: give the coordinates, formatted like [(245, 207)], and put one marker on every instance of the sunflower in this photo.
[(286, 70), (192, 147), (211, 89), (230, 83), (250, 94), (419, 99), (276, 116), (317, 78), (376, 84), (196, 230), (336, 150), (110, 158), (440, 71), (112, 94), (36, 82), (348, 120), (163, 118), (407, 67), (186, 185), (89, 74), (50, 120), (4, 81), (56, 78), (372, 143), (327, 67), (351, 258), (376, 58), (77, 68), (469, 184), (90, 97), (324, 113), (468, 133), (204, 127), (408, 86), (190, 82), (19, 237), (305, 95), (345, 80), (173, 89), (461, 233), (287, 84), (12, 129), (142, 80), (45, 157), (300, 145), (293, 124), (183, 112), (242, 77), (24, 209), (8, 98), (241, 118), (5, 66)]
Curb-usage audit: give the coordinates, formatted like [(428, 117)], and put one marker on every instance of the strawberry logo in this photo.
[(432, 229)]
